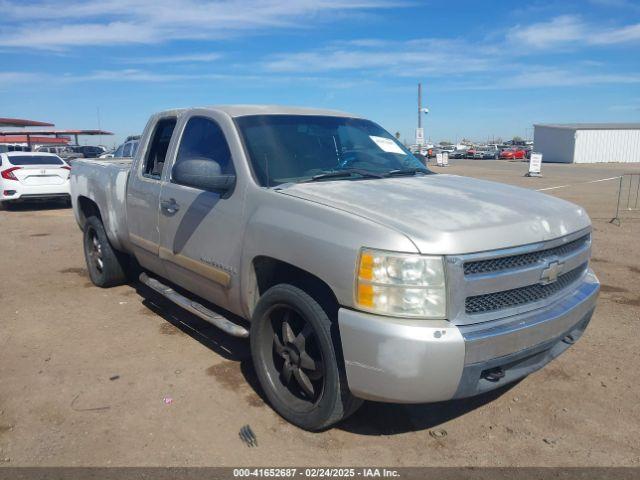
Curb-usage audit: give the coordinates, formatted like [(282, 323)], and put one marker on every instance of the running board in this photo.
[(194, 307)]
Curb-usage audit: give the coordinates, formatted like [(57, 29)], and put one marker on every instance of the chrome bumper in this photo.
[(418, 361)]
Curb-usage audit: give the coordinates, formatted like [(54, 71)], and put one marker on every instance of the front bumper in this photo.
[(418, 361)]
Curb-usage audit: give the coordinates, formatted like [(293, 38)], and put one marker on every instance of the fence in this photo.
[(628, 195)]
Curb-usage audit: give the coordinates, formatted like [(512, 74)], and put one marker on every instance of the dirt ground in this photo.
[(112, 377)]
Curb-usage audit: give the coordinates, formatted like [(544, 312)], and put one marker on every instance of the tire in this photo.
[(324, 398), (107, 267)]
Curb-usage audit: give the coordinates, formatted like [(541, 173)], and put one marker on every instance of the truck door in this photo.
[(200, 231), (143, 196)]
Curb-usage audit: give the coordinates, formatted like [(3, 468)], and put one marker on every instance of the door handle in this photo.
[(170, 206)]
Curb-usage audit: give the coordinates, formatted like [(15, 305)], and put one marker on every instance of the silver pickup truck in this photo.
[(355, 271)]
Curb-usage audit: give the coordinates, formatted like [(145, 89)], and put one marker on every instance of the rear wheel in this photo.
[(296, 358), (106, 266)]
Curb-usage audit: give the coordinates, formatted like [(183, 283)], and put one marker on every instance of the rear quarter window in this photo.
[(35, 160), (118, 152)]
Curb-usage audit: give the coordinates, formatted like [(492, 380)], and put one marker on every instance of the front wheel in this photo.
[(296, 357)]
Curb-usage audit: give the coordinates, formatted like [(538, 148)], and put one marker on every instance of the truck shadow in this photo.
[(228, 347), (372, 418)]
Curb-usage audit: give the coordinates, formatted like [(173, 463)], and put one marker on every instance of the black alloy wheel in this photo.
[(297, 356), (94, 250), (106, 266), (297, 360)]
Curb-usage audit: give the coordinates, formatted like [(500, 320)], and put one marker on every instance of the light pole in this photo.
[(421, 110)]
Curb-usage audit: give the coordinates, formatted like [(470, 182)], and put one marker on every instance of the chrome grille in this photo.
[(519, 296), (522, 260)]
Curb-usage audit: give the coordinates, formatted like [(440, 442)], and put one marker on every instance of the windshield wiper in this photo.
[(407, 171), (345, 173)]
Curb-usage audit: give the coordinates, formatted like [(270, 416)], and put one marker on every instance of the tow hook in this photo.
[(493, 374), (569, 339)]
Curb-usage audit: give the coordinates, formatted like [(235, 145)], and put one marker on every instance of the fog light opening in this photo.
[(493, 374)]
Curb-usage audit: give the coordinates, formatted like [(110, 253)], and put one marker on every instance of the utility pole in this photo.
[(419, 130), (419, 105)]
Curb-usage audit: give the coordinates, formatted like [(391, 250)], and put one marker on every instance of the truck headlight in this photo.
[(401, 285)]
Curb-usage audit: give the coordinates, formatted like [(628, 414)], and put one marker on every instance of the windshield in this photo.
[(35, 160), (295, 148)]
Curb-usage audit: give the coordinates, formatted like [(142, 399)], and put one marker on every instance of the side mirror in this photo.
[(203, 174)]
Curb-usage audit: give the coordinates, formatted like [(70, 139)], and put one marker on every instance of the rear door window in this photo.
[(157, 152)]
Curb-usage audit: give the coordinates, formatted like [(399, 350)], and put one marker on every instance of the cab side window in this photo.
[(157, 152), (203, 139)]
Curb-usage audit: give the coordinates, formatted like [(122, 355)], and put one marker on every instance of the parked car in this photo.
[(512, 154), (33, 175), (458, 154), (471, 152), (63, 151), (11, 147), (323, 248), (486, 153), (88, 151)]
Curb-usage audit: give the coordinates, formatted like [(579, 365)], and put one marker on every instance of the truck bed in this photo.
[(105, 183)]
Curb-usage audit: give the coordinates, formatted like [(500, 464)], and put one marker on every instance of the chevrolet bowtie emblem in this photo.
[(550, 274)]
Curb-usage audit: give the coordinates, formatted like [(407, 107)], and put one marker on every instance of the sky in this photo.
[(488, 69)]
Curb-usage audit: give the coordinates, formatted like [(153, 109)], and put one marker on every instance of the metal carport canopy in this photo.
[(55, 132)]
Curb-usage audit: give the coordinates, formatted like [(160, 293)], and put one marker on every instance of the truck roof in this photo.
[(244, 110)]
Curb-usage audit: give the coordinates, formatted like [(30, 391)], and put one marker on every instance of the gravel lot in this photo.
[(85, 372)]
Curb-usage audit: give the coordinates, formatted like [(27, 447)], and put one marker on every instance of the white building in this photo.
[(588, 142)]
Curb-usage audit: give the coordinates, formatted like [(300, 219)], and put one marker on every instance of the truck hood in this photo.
[(449, 214)]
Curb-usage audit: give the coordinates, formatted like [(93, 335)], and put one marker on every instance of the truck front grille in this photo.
[(492, 302), (522, 260)]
